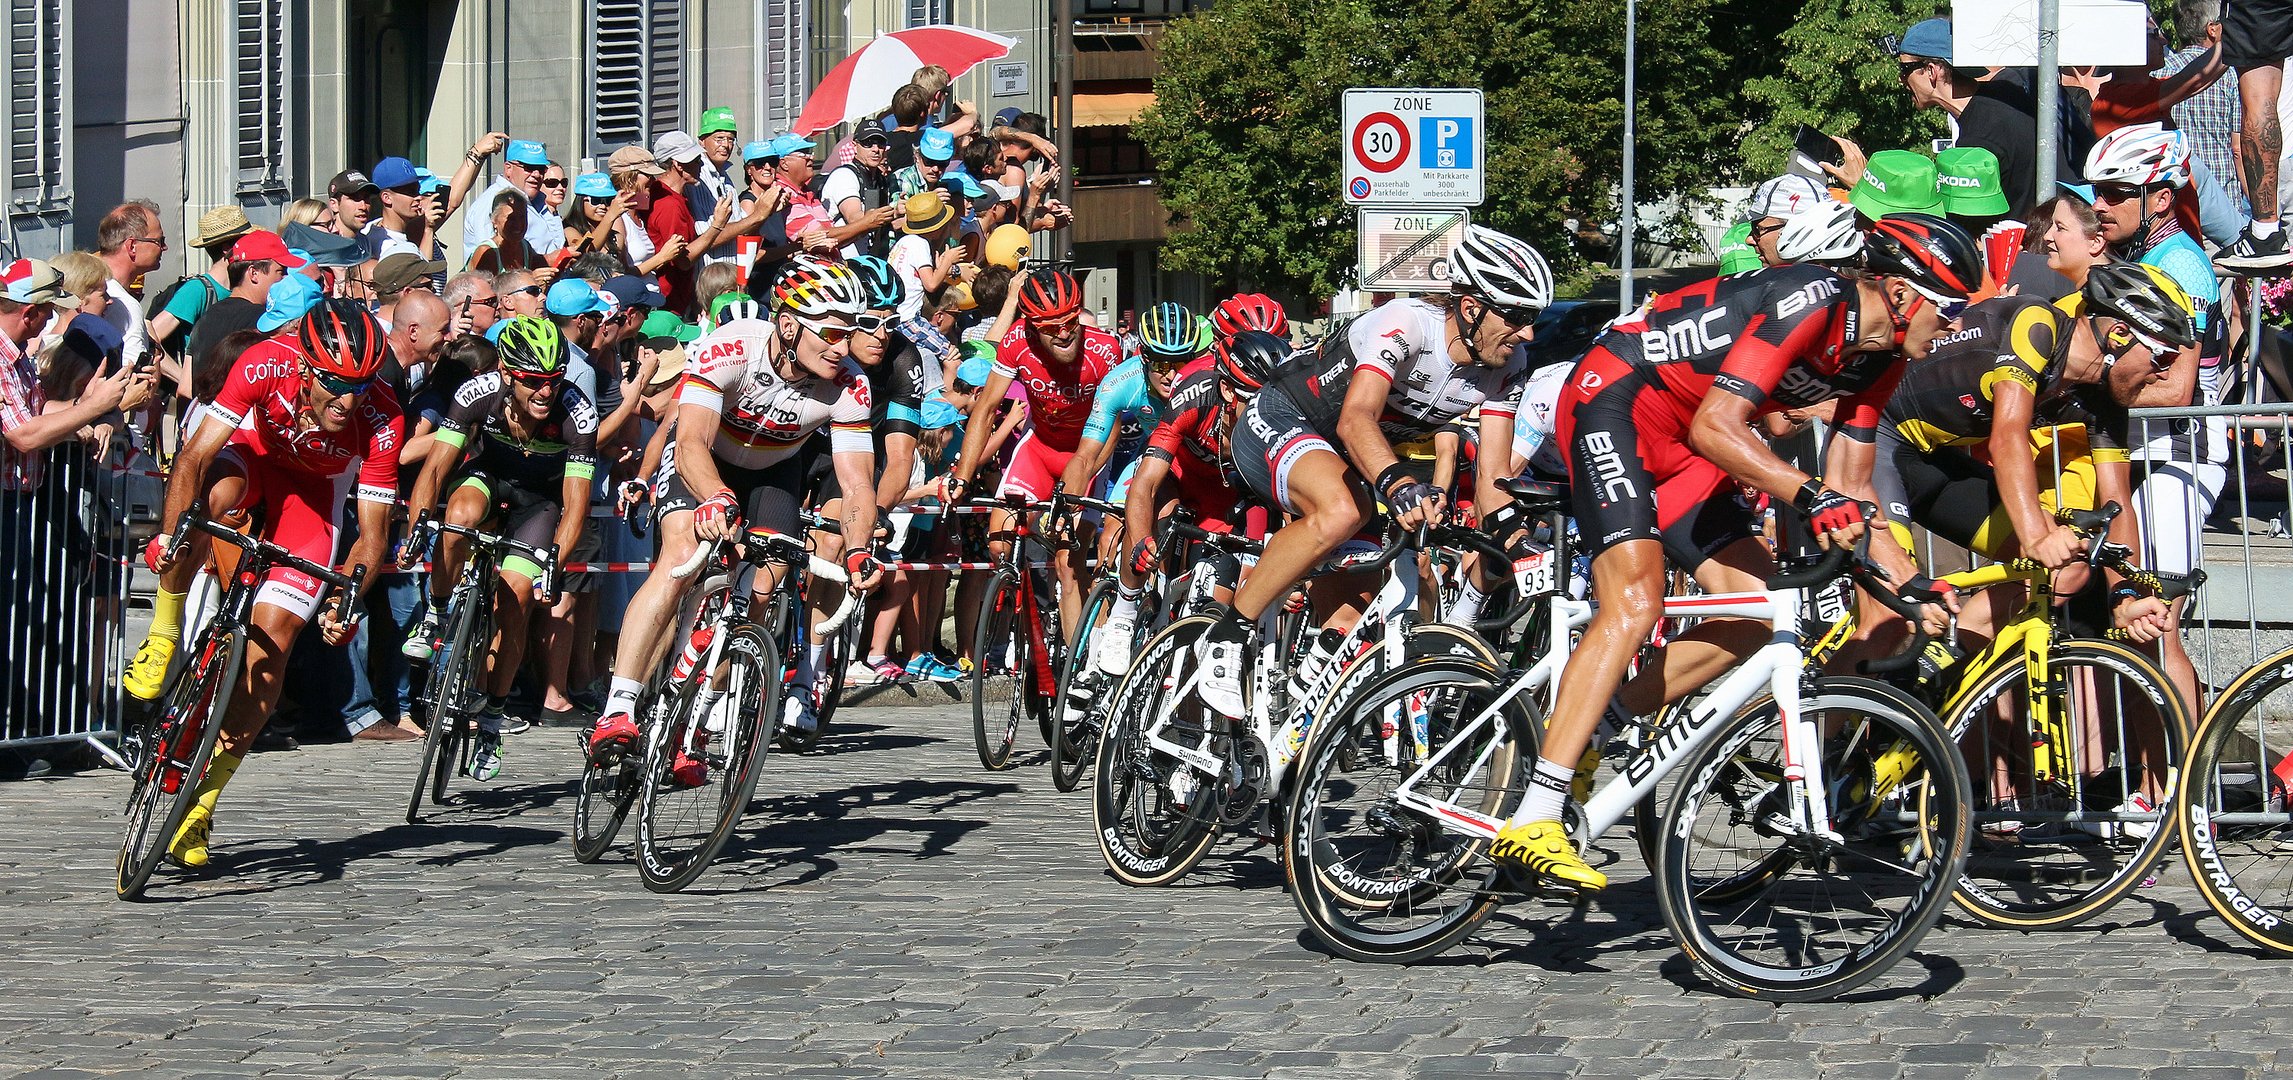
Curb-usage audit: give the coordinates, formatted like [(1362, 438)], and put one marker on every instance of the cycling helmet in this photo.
[(531, 345), (1248, 359), (1050, 294), (734, 306), (2142, 154), (810, 288), (1168, 331), (1250, 311), (2147, 299), (1501, 270), (1930, 254), (879, 282), (1824, 233), (341, 338)]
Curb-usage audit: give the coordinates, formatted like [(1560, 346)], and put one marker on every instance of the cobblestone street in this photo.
[(894, 910)]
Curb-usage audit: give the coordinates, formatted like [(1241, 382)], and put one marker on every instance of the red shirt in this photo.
[(1058, 397), (670, 215), (262, 398)]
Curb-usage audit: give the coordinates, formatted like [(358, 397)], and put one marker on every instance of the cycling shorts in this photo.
[(523, 515), (1632, 475), (299, 511), (771, 498), (1269, 439), (1120, 489), (1035, 469), (1956, 496)]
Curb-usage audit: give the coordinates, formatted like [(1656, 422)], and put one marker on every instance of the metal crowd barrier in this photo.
[(63, 592)]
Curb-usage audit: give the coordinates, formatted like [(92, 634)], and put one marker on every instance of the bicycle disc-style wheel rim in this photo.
[(1379, 881), (202, 692), (680, 829), (2235, 817), (1828, 914), (998, 652), (1145, 837), (2029, 865)]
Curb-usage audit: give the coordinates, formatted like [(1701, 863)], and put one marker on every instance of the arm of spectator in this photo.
[(667, 254), (2199, 74), (105, 393), (1013, 419), (859, 224), (617, 427), (162, 325), (473, 166), (1045, 148), (976, 430), (1852, 162), (966, 120), (720, 227), (1009, 316), (419, 442)]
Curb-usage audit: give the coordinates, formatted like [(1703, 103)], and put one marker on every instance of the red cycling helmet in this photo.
[(1049, 294), (1931, 254), (340, 338), (1250, 311)]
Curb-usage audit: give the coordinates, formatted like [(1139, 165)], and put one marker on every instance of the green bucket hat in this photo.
[(1897, 182), (716, 120), (666, 327), (1968, 176), (1737, 255)]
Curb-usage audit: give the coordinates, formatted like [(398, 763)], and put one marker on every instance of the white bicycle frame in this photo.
[(735, 611)]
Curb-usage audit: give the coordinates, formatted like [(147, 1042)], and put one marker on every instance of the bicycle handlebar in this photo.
[(546, 584), (266, 553)]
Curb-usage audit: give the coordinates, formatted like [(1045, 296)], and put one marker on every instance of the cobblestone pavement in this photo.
[(893, 910)]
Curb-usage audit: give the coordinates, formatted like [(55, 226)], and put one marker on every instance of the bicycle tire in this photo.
[(201, 689), (1146, 836), (1073, 745), (2236, 833), (2048, 873), (843, 645), (1001, 650), (704, 823), (448, 688), (1794, 932), (1381, 882)]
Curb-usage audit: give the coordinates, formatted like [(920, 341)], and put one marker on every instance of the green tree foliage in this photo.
[(1831, 75)]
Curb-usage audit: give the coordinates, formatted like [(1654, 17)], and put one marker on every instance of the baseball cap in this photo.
[(527, 152), (428, 182), (872, 134), (32, 281), (629, 290), (2083, 191), (974, 372), (94, 338), (350, 182), (220, 224), (394, 172), (401, 271), (716, 120), (1785, 195), (261, 244), (785, 144), (1896, 182), (1968, 177), (1005, 117), (572, 296), (676, 146), (633, 159), (322, 248), (663, 329), (936, 145), (962, 184), (595, 185), (291, 299), (1928, 37)]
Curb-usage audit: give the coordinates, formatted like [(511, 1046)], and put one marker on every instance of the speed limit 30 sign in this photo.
[(1413, 147)]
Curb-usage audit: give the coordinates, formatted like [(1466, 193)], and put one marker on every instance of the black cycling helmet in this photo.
[(1929, 253), (2147, 299), (1248, 359)]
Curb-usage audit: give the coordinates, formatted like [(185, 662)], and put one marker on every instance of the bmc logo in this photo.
[(1686, 338), (1809, 295)]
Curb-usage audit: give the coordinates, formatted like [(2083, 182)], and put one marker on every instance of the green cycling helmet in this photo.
[(1169, 331), (531, 345)]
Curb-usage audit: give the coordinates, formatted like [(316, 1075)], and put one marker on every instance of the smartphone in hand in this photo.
[(1812, 149)]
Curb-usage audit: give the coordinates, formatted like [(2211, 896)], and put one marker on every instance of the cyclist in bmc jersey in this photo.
[(530, 473), (1657, 422), (753, 396), (299, 420)]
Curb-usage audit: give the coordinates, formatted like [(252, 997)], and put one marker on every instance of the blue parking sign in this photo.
[(1445, 142)]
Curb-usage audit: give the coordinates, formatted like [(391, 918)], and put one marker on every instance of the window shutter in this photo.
[(665, 65), (928, 13), (35, 102), (261, 80), (637, 57), (784, 75)]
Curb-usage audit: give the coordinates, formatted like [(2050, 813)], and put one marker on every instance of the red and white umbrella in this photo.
[(863, 84)]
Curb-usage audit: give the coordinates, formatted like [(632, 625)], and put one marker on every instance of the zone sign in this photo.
[(1413, 147)]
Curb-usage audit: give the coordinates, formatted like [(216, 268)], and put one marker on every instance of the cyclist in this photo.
[(530, 474), (1190, 450), (1330, 420), (1059, 365), (302, 418), (1249, 311), (1657, 422), (754, 393), (1132, 402)]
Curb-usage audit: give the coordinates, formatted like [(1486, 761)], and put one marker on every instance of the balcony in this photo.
[(1119, 213), (1116, 50)]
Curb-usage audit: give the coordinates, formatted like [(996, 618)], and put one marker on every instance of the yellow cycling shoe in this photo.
[(1587, 771), (1542, 848), (147, 673), (190, 845)]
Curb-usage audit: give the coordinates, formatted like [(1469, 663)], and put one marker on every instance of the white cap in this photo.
[(675, 146), (1785, 195)]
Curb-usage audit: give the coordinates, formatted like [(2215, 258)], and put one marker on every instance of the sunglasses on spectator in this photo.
[(874, 324), (337, 386), (1904, 68), (559, 182), (829, 332), (482, 301), (159, 242), (525, 290)]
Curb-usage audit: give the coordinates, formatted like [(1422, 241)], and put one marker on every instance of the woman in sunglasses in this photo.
[(301, 417), (755, 392)]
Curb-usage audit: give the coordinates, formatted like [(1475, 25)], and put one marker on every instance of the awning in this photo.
[(1110, 110)]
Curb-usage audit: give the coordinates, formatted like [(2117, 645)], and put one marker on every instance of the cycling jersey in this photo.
[(561, 446), (766, 417), (898, 386), (1404, 342), (1125, 406), (1194, 441), (1946, 399), (1059, 397), (1535, 414)]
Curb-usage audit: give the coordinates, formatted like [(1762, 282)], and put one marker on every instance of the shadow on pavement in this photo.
[(804, 832), (264, 866)]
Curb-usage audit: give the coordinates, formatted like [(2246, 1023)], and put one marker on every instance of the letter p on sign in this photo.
[(1445, 142)]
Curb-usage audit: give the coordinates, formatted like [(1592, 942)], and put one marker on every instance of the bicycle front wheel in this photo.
[(182, 742), (1002, 652), (702, 760), (1156, 816), (2068, 823), (1082, 696), (451, 676), (2234, 817), (1766, 908)]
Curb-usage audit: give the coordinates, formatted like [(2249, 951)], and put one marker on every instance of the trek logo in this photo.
[(1686, 338), (1809, 295), (1608, 468)]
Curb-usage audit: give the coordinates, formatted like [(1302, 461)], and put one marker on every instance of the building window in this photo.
[(637, 59), (785, 53), (260, 80), (37, 89), (1104, 155), (930, 12)]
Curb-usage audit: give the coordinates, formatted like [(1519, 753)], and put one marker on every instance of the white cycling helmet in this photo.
[(2142, 154), (812, 287), (1824, 233), (1504, 271)]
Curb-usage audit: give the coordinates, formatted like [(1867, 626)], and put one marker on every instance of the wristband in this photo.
[(2124, 591), (1393, 475), (1809, 493)]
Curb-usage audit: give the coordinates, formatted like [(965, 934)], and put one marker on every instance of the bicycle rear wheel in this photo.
[(182, 742), (1075, 738), (683, 819), (1002, 651), (1765, 909), (2234, 817), (1377, 880), (1155, 816), (2054, 849), (451, 676)]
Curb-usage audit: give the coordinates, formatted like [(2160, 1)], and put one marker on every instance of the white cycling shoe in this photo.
[(1111, 646), (1220, 686)]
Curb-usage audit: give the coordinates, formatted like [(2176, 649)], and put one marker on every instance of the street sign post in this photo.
[(1413, 147), (1407, 250)]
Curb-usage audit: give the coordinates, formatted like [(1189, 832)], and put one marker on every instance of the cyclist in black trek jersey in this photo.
[(520, 445)]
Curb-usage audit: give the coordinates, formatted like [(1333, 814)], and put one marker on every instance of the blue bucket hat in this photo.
[(527, 152), (291, 298), (936, 145), (595, 185), (939, 414)]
